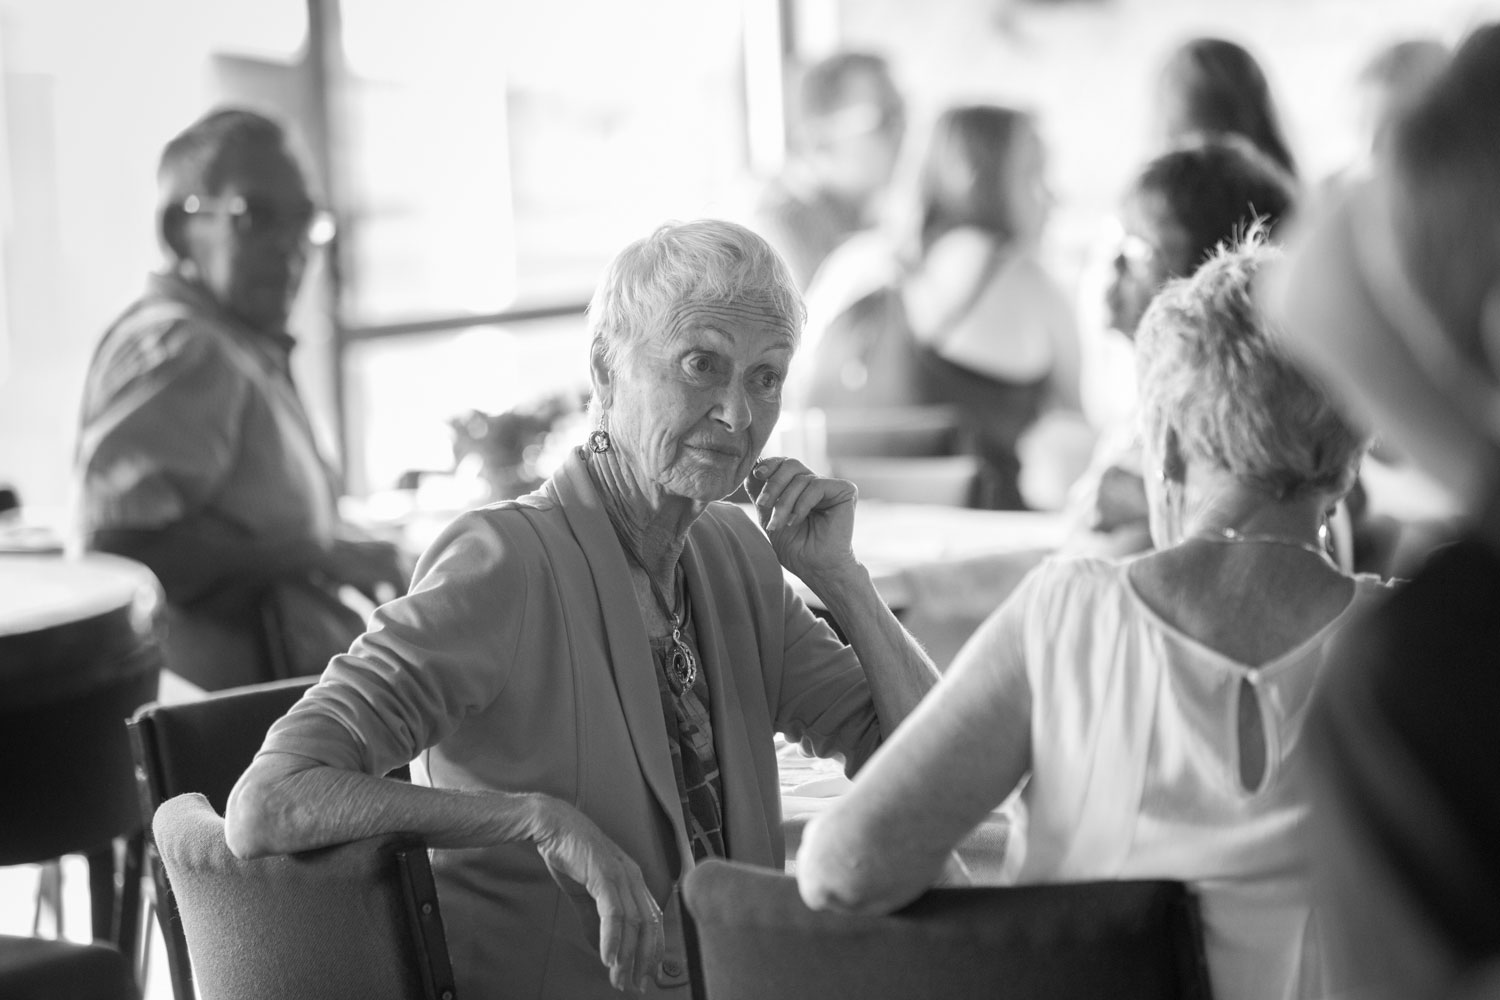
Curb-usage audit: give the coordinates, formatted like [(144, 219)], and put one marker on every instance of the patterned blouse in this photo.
[(690, 734)]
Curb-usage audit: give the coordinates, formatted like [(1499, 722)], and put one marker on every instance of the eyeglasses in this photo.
[(1137, 253), (261, 218)]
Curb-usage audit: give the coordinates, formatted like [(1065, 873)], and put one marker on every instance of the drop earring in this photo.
[(599, 441)]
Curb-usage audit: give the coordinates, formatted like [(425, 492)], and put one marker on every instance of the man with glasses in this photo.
[(195, 454), (851, 120)]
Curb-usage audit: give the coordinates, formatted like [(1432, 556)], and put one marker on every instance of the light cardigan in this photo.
[(520, 661)]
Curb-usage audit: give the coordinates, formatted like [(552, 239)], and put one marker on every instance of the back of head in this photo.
[(685, 263), (1215, 188), (1211, 370), (965, 173), (1213, 86), (1445, 162)]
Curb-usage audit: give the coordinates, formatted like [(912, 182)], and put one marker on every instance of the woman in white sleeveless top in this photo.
[(1150, 711)]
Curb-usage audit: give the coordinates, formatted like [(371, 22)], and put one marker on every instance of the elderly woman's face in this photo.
[(693, 403), (250, 251)]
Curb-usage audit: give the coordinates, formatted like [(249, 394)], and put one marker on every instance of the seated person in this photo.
[(1181, 206), (587, 679), (849, 126), (1393, 298), (1212, 86), (967, 316), (195, 454), (1150, 709)]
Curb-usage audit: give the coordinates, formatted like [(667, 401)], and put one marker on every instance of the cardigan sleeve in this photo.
[(429, 659), (816, 692)]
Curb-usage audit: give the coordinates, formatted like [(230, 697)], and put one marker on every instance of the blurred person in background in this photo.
[(1212, 86), (961, 314), (1401, 512), (195, 454), (1149, 710), (1205, 87), (589, 677), (1178, 209), (848, 123), (1392, 296), (1392, 82)]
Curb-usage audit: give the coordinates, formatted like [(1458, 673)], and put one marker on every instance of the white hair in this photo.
[(683, 264), (1210, 371)]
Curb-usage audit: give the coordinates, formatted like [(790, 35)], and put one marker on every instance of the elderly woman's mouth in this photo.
[(727, 452)]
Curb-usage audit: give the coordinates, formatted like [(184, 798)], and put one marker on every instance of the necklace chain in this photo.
[(684, 665), (1233, 535)]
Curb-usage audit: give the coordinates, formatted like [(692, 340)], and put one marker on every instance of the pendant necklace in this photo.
[(682, 663), (1232, 535)]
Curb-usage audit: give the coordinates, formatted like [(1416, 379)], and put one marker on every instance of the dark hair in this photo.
[(826, 83), (962, 181), (1215, 188), (1221, 88), (191, 163), (1446, 163)]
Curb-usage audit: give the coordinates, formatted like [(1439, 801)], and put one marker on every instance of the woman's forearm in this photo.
[(898, 670), (285, 803), (964, 749)]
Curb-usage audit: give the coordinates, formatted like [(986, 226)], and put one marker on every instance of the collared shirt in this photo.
[(188, 412)]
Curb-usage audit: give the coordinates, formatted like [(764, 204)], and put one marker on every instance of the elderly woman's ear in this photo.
[(601, 373)]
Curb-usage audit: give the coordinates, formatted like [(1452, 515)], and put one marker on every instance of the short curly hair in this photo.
[(1211, 370)]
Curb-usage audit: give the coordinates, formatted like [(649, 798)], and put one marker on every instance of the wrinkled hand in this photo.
[(809, 518), (582, 859), (374, 568)]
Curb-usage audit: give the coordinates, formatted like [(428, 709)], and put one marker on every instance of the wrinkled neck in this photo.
[(652, 525)]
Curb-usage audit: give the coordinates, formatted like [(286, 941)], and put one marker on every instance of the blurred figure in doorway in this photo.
[(848, 124), (195, 454)]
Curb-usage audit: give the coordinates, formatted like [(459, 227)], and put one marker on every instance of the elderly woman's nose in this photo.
[(733, 407)]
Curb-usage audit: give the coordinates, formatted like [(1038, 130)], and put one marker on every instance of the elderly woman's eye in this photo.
[(700, 364), (769, 379)]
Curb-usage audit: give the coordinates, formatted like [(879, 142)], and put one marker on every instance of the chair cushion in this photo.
[(36, 969)]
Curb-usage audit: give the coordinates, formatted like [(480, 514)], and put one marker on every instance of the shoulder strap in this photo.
[(961, 310)]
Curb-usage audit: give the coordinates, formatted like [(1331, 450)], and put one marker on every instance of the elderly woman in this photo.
[(1153, 706), (588, 678)]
